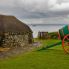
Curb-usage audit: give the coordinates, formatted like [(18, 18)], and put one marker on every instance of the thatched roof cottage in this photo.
[(13, 32)]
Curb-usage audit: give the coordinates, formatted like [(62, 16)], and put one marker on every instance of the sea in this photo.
[(45, 28)]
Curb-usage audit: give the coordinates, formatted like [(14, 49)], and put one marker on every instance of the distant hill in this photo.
[(47, 24)]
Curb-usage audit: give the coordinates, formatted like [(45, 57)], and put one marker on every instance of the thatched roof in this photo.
[(12, 24)]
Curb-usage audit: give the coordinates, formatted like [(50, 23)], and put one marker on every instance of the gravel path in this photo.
[(13, 51), (18, 50), (37, 44)]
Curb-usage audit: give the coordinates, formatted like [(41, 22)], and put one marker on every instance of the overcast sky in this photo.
[(37, 11)]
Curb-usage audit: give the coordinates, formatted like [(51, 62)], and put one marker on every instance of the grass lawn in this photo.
[(53, 58)]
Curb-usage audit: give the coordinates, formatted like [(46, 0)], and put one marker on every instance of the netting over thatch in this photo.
[(12, 24)]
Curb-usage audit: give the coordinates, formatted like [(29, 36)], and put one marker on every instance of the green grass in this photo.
[(53, 58)]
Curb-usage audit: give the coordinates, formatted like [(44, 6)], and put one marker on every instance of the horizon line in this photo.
[(48, 24)]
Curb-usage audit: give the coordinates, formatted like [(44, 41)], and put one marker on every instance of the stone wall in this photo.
[(14, 40), (48, 35), (43, 35)]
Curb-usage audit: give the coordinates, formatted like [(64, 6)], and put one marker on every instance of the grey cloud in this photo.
[(36, 10), (51, 20), (60, 1), (31, 9)]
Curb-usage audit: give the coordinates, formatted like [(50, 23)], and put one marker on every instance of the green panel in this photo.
[(65, 30)]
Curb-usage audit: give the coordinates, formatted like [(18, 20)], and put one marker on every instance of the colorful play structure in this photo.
[(64, 36)]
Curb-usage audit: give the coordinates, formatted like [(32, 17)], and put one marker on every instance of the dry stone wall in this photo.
[(15, 40)]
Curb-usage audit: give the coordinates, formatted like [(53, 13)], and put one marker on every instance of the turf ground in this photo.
[(52, 58)]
